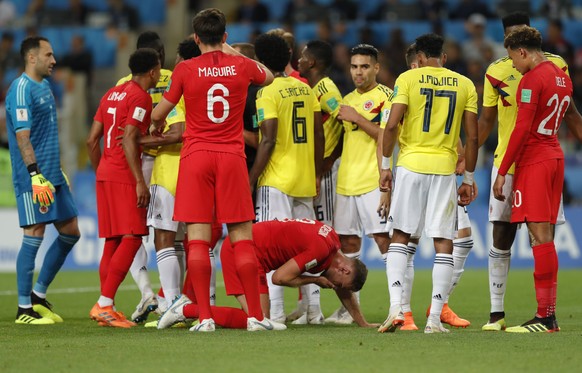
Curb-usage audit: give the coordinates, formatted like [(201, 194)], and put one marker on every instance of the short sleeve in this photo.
[(528, 92), (178, 114), (175, 87), (313, 256), (330, 103), (490, 93), (471, 97), (401, 91), (266, 106), (256, 73), (316, 104), (21, 112), (139, 108)]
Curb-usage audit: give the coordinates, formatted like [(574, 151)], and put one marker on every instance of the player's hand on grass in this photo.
[(465, 193), (42, 190), (498, 188), (384, 205), (385, 180), (324, 283), (143, 194)]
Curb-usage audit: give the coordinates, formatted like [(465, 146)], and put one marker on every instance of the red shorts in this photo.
[(213, 182), (537, 192), (117, 213), (232, 283)]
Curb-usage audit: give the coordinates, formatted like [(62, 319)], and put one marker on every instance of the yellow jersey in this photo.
[(156, 93), (437, 98), (291, 168), (330, 99), (500, 87), (167, 162), (358, 171)]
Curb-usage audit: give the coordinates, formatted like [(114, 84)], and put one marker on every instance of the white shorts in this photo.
[(147, 167), (424, 203), (501, 211), (463, 220), (273, 204), (325, 202), (161, 211), (357, 214)]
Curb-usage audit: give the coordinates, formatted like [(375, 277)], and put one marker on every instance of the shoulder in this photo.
[(350, 95), (557, 60), (498, 65), (383, 91)]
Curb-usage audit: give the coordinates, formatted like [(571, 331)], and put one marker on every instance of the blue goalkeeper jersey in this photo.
[(30, 105)]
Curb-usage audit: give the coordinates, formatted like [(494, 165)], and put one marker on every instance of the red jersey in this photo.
[(214, 87), (311, 243), (126, 104), (543, 96)]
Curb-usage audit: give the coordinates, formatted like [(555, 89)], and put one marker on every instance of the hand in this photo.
[(498, 188), (384, 206), (327, 164), (324, 283), (143, 194), (460, 168), (120, 136), (475, 191), (348, 114), (385, 180), (156, 131), (368, 325), (42, 190), (465, 193)]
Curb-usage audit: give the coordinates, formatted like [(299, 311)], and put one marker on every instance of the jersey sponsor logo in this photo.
[(22, 115), (139, 113), (310, 264), (526, 96), (510, 78), (368, 105), (332, 103)]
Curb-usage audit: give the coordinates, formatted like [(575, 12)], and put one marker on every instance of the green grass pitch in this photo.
[(80, 345)]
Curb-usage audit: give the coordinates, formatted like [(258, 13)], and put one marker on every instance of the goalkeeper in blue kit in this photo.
[(41, 188)]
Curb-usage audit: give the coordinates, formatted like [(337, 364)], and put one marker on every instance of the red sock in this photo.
[(120, 263), (247, 264), (108, 251), (188, 290), (227, 317), (546, 278), (200, 271), (161, 292)]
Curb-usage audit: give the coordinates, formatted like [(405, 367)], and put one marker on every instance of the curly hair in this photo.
[(272, 50), (524, 37)]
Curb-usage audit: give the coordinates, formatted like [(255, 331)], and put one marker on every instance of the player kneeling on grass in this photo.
[(290, 248)]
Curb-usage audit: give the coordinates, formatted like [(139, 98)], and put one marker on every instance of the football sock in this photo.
[(246, 264), (139, 272), (442, 272), (545, 278), (25, 268), (200, 272), (39, 294), (119, 265), (181, 255), (396, 267), (498, 269), (54, 259), (169, 270), (276, 294), (227, 317), (213, 276), (408, 277), (109, 248), (461, 249), (385, 259), (188, 290), (105, 301), (216, 234)]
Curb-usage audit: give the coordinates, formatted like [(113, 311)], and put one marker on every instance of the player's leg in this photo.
[(409, 323), (216, 236)]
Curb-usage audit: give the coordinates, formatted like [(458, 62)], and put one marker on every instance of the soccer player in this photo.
[(363, 113), (543, 96), (122, 192), (432, 101), (212, 179), (289, 156), (290, 40), (499, 103), (42, 191), (291, 248)]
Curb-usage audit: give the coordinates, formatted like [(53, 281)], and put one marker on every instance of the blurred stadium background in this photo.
[(93, 39)]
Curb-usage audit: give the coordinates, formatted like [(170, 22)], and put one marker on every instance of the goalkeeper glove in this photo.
[(42, 190)]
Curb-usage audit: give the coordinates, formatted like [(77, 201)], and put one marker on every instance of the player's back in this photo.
[(437, 99), (547, 90), (114, 112), (291, 167), (31, 105)]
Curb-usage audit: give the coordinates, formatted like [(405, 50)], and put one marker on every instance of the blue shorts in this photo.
[(63, 208)]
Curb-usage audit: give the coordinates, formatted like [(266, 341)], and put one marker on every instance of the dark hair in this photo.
[(410, 55), (365, 50), (188, 49), (272, 50), (30, 43), (321, 51), (286, 35), (246, 49), (143, 60), (524, 37), (151, 39), (209, 25), (360, 275), (515, 19), (430, 44)]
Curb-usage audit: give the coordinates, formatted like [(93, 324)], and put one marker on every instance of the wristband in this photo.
[(468, 178), (33, 169), (386, 163)]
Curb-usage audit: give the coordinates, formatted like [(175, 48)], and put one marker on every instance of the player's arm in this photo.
[(132, 152), (319, 143), (389, 138), (93, 146), (251, 138), (172, 136), (25, 147), (289, 274), (466, 190), (335, 154), (160, 113), (486, 122), (349, 114), (351, 304), (269, 129), (574, 121)]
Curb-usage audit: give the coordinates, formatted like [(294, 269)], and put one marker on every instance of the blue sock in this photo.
[(25, 268), (53, 261)]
